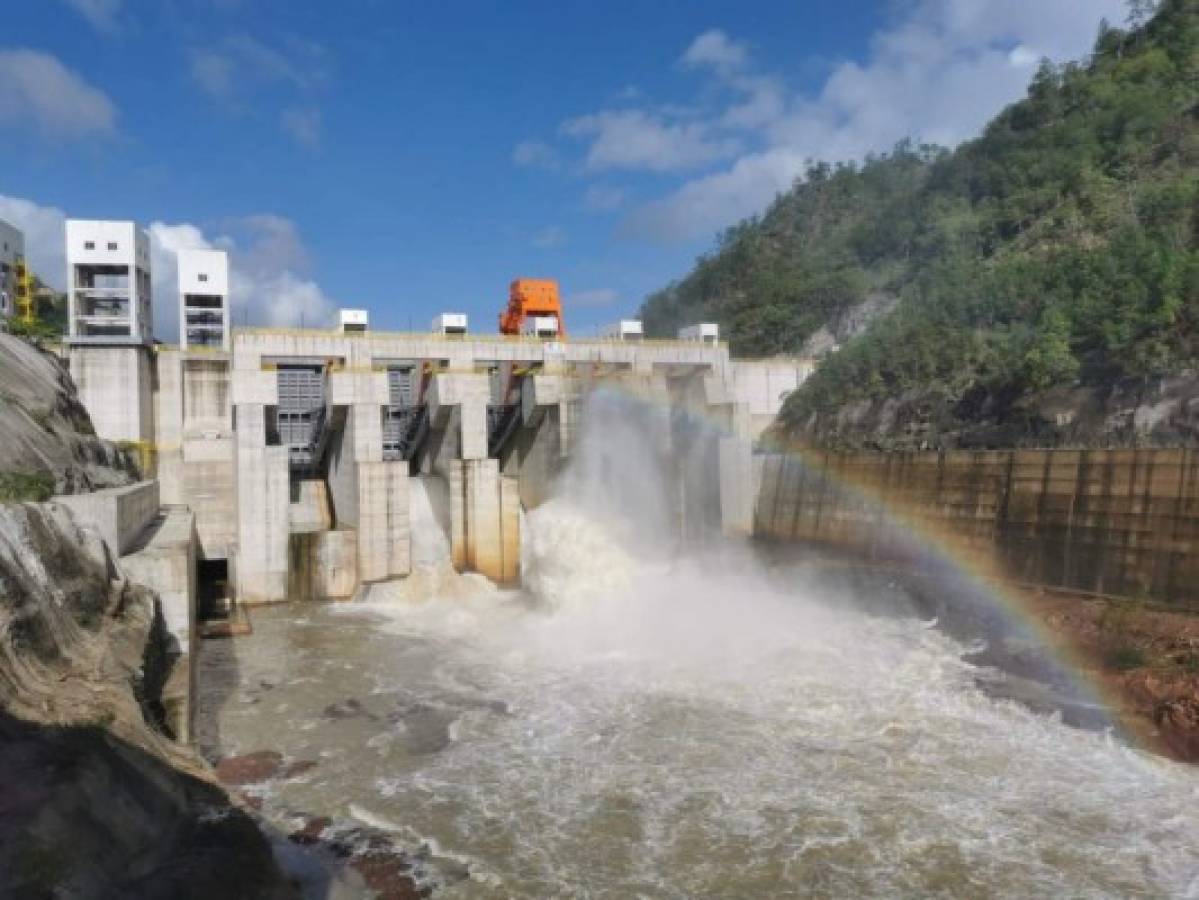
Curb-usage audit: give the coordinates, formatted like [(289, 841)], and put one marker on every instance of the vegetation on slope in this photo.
[(1060, 247), (50, 319)]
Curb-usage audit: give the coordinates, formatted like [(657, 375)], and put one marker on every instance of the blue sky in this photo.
[(413, 158)]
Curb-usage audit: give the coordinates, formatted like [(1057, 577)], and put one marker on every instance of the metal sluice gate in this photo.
[(405, 420), (301, 413)]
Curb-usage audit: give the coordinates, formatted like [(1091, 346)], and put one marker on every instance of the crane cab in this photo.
[(533, 298)]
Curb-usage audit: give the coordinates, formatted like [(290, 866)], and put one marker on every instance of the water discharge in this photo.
[(647, 722)]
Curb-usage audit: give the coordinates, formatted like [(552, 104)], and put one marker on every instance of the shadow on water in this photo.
[(218, 683)]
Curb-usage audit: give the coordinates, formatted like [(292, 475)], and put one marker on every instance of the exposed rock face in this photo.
[(1162, 412), (848, 323), (94, 802), (45, 427)]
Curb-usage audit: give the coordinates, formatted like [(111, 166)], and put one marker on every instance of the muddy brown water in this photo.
[(693, 736)]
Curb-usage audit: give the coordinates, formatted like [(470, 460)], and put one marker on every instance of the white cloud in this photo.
[(303, 124), (761, 100), (35, 88), (213, 72), (537, 154), (45, 238), (104, 15), (636, 139), (714, 48), (703, 205), (937, 73), (550, 236), (1022, 56), (240, 62), (239, 71), (594, 299), (270, 280), (604, 198)]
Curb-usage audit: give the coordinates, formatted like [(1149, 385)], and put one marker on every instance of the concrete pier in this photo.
[(323, 565), (384, 546), (263, 494), (114, 383), (484, 520)]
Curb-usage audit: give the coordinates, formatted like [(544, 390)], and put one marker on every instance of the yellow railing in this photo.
[(146, 453)]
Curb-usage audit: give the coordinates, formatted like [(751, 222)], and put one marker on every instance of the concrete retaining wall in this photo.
[(1122, 522), (763, 384), (166, 563), (119, 514)]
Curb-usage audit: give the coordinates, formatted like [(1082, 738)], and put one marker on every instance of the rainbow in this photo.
[(928, 549)]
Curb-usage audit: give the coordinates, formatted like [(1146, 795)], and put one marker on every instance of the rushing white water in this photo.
[(644, 723)]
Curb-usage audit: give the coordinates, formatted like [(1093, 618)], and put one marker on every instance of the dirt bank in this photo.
[(1146, 659)]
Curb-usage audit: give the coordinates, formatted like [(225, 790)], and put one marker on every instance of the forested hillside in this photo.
[(1056, 256)]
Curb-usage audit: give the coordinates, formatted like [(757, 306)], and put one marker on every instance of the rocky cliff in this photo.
[(49, 445), (1158, 411), (94, 801)]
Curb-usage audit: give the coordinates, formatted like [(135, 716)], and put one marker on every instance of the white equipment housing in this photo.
[(353, 320), (541, 326), (704, 333), (624, 330), (450, 323)]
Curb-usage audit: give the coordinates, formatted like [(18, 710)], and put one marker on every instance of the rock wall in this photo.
[(96, 801), (1126, 412), (46, 429), (1122, 522)]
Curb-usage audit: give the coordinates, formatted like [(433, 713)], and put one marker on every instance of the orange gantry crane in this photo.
[(532, 302)]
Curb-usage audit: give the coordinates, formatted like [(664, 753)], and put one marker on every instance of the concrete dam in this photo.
[(293, 450)]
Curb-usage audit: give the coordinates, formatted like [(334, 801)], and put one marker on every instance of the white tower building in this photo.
[(203, 299), (12, 252), (111, 328), (108, 283)]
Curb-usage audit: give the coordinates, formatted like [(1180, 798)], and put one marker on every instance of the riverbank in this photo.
[(1146, 658)]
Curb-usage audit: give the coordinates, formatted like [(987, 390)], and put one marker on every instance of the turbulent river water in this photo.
[(641, 722)]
